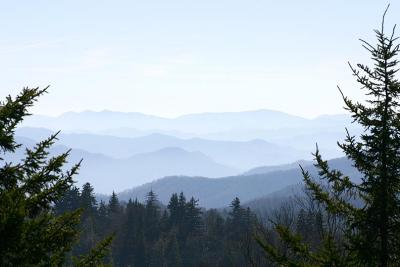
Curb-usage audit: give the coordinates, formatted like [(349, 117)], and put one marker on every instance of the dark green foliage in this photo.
[(31, 233), (88, 236), (152, 217), (192, 219), (96, 255), (181, 234), (113, 205), (88, 200), (172, 254), (240, 229), (370, 230), (69, 202)]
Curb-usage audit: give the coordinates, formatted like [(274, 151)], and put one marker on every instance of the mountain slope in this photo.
[(194, 123), (108, 174), (240, 155), (283, 167), (278, 128), (215, 193)]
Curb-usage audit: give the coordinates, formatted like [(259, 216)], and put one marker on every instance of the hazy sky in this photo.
[(172, 57)]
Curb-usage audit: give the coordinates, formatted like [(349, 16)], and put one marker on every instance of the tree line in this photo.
[(46, 221), (151, 234)]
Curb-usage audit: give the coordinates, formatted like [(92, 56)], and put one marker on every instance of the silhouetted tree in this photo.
[(69, 202), (371, 229), (31, 232), (152, 217)]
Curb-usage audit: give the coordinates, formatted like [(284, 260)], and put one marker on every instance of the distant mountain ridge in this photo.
[(109, 174), (202, 123), (274, 127), (283, 167), (240, 155), (217, 193), (134, 148)]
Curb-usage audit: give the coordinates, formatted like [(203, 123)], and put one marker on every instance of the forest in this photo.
[(334, 220), (150, 234), (181, 233)]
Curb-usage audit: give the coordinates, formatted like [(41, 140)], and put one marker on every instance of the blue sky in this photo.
[(172, 57)]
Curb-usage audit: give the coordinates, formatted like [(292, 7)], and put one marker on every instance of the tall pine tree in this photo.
[(371, 230), (31, 233)]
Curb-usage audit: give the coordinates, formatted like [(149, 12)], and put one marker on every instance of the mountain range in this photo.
[(208, 124), (192, 123), (109, 174), (218, 193), (240, 155), (131, 149)]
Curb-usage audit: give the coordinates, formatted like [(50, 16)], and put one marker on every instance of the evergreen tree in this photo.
[(69, 202), (173, 207), (152, 217), (88, 200), (235, 232), (192, 231), (193, 219), (88, 234), (32, 234), (181, 208), (236, 219), (114, 214), (372, 229), (113, 204)]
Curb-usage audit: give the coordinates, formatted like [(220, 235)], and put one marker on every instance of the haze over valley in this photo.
[(199, 133), (133, 149)]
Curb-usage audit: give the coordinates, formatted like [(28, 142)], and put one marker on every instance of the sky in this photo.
[(170, 58)]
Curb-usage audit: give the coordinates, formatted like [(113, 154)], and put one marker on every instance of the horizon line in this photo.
[(187, 114)]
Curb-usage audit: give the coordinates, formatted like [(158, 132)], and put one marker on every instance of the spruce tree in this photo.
[(372, 229), (173, 207), (193, 220), (152, 217), (31, 232), (69, 202), (113, 205), (181, 207), (88, 204), (88, 200)]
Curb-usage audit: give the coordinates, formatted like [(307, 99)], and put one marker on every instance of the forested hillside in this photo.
[(216, 193), (177, 234), (199, 134)]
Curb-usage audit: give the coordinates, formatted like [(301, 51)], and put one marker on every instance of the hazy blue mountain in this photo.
[(196, 124), (33, 133), (283, 167), (95, 121), (239, 155), (274, 127), (108, 173), (132, 133), (259, 119), (215, 193), (325, 130), (263, 206)]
